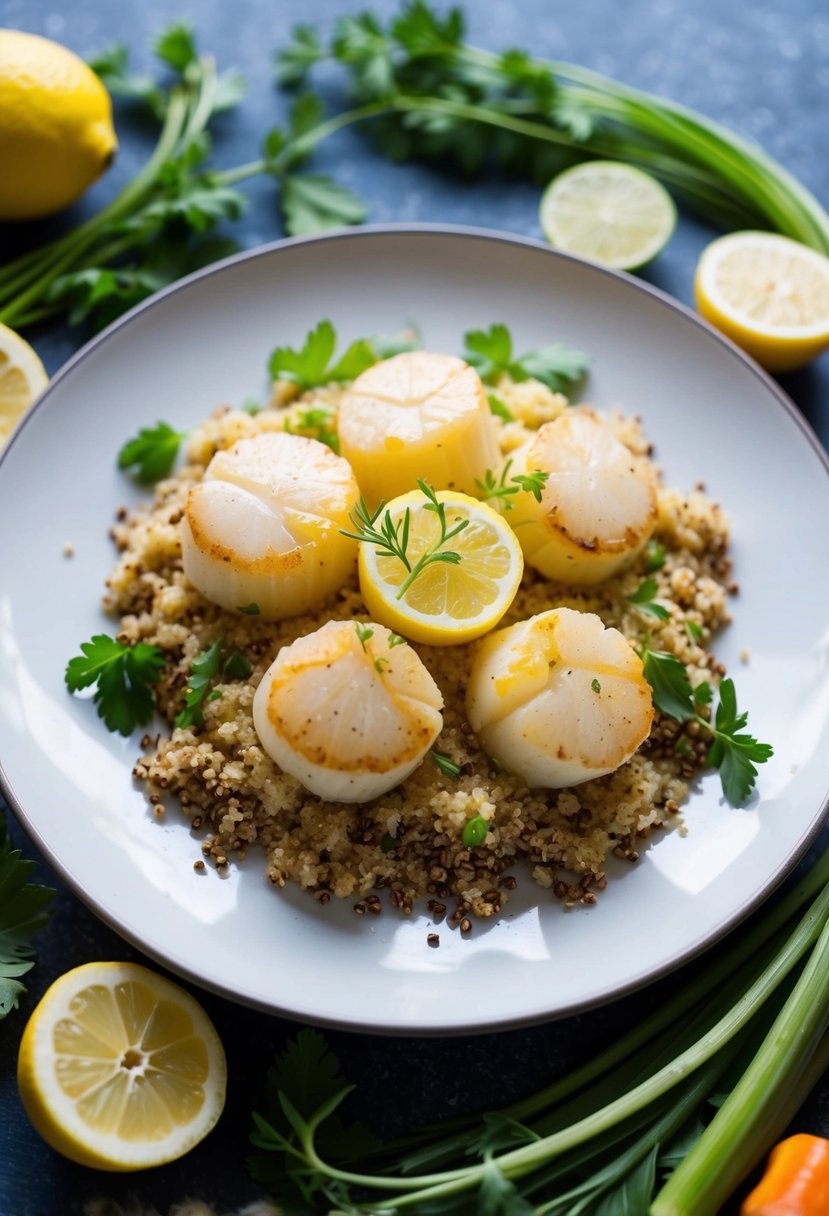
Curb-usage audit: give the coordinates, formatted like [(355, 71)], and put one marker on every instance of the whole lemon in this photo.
[(56, 134)]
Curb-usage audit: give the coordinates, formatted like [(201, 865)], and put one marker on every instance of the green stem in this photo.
[(762, 1102)]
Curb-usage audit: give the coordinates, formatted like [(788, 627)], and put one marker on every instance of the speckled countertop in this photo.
[(763, 70)]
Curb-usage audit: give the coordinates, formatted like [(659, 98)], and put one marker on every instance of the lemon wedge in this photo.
[(447, 602), (417, 411), (767, 293), (22, 379), (559, 699), (120, 1069), (608, 212), (349, 710)]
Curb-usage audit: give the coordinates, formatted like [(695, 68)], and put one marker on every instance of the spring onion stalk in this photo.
[(790, 1060)]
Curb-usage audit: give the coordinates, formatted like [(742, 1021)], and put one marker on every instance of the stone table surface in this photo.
[(763, 70)]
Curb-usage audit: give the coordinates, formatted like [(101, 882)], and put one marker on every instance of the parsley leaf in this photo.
[(312, 202), (491, 351), (152, 452), (202, 670), (237, 666), (643, 598), (123, 676), (474, 831), (176, 46), (655, 556), (669, 683), (315, 423), (311, 365), (498, 407), (294, 61), (23, 910)]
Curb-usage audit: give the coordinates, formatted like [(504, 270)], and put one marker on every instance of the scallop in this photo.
[(417, 415), (598, 507), (261, 531), (349, 711), (559, 699)]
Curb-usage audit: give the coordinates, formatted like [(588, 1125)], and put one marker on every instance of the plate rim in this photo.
[(502, 1023)]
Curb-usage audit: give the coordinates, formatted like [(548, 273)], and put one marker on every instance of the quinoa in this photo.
[(409, 841)]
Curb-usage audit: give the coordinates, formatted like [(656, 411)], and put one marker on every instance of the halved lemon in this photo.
[(447, 602), (767, 293), (22, 379), (609, 212), (119, 1069)]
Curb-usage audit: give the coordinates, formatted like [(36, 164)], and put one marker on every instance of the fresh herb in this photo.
[(734, 753), (396, 640), (498, 407), (490, 351), (203, 669), (502, 490), (474, 832), (237, 666), (393, 538), (312, 365), (249, 609), (386, 346), (380, 663), (315, 423), (252, 406), (595, 685), (152, 452), (364, 632), (388, 843), (684, 748), (446, 766), (603, 1139), (23, 910), (694, 631), (643, 598), (655, 556), (123, 677)]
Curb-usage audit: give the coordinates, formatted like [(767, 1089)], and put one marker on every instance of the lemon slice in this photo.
[(446, 603), (768, 294), (22, 379), (608, 212), (119, 1069)]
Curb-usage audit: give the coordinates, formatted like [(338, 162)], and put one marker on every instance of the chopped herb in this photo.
[(249, 609), (315, 423), (474, 832), (152, 452), (694, 631), (380, 663), (215, 695), (684, 748), (502, 490), (123, 676), (595, 685), (393, 539), (251, 406), (643, 598), (655, 556), (364, 632), (733, 752), (396, 640), (236, 666), (203, 669), (312, 365), (498, 407), (446, 765), (490, 351)]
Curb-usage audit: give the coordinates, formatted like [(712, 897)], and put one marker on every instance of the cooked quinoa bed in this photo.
[(408, 842)]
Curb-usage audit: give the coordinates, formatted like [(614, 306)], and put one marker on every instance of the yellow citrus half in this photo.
[(767, 293), (22, 379), (119, 1069)]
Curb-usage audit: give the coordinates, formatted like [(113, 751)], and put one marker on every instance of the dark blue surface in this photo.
[(759, 69)]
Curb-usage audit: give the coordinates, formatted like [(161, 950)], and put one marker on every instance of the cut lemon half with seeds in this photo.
[(22, 379), (767, 293), (447, 602), (119, 1069), (608, 212)]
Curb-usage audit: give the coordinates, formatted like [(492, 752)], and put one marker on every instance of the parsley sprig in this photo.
[(23, 910), (733, 752), (313, 364), (392, 538), (644, 598), (151, 453), (491, 351), (123, 677), (503, 490)]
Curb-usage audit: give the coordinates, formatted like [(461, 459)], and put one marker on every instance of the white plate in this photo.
[(712, 416)]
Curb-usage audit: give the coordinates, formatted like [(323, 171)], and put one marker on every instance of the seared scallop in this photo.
[(598, 505), (417, 415), (559, 699), (349, 710), (261, 531)]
